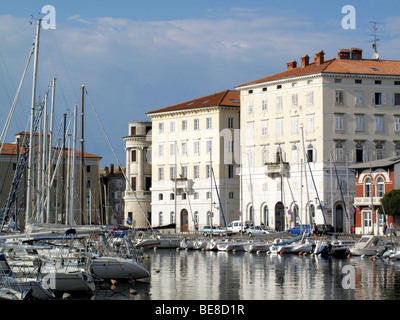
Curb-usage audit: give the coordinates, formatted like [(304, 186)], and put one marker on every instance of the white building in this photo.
[(346, 109), (194, 179), (138, 172)]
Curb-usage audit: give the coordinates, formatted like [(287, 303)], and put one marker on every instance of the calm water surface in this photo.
[(194, 275)]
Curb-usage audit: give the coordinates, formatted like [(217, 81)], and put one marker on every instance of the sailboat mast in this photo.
[(53, 84), (29, 198), (82, 157)]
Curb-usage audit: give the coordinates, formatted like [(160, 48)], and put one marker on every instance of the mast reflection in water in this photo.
[(194, 275)]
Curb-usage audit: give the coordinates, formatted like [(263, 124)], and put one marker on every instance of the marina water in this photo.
[(216, 275)]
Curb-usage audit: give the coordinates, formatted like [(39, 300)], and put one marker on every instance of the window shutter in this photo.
[(383, 97), (372, 97), (392, 99)]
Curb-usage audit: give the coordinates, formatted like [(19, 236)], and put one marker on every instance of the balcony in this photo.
[(182, 185), (366, 201), (273, 169)]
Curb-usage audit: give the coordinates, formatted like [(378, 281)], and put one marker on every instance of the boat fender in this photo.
[(132, 291), (300, 253), (281, 253), (348, 256)]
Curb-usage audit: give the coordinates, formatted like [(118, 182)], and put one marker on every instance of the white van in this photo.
[(238, 226)]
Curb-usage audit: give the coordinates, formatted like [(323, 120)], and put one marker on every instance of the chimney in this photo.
[(112, 168), (356, 54), (305, 60), (344, 54), (291, 65), (319, 57)]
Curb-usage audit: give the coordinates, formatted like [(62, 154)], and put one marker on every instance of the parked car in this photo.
[(239, 226), (323, 229), (257, 230), (299, 229), (216, 230)]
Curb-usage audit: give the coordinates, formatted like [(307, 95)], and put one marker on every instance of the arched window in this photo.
[(310, 153), (251, 213), (160, 196), (172, 217), (265, 216), (368, 187), (380, 183), (172, 196), (160, 218), (312, 212)]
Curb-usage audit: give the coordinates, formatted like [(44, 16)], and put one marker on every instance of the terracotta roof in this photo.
[(230, 98), (335, 65), (11, 149)]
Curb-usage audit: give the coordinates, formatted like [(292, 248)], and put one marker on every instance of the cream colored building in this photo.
[(138, 172), (346, 109), (194, 175)]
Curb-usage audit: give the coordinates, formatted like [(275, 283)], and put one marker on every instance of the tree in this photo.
[(391, 205)]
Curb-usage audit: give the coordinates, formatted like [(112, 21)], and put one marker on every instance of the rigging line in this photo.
[(12, 109), (116, 158)]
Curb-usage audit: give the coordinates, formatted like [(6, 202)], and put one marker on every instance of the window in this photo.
[(208, 195), (294, 100), (184, 196), (279, 127), (338, 97), (161, 150), (133, 183), (359, 122), (88, 183), (358, 98), (172, 173), (184, 125), (359, 152), (172, 149), (195, 172), (378, 98), (397, 124), (161, 128), (379, 151), (133, 156), (196, 197), (310, 153), (279, 103), (196, 147), (208, 171), (367, 187), (231, 123), (249, 106), (310, 123), (310, 98), (338, 80), (160, 196), (295, 154), (231, 171), (231, 146), (250, 131), (88, 169), (378, 123), (358, 81), (339, 120), (339, 151), (397, 149), (184, 148), (231, 195), (377, 81), (172, 217), (183, 172), (380, 191), (264, 155), (160, 218), (395, 99), (148, 183), (172, 126), (208, 123), (208, 146), (264, 105), (133, 131), (264, 128), (196, 124), (295, 125), (160, 173)]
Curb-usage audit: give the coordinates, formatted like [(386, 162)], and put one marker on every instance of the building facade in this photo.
[(194, 174), (302, 127), (373, 180), (84, 204), (137, 198)]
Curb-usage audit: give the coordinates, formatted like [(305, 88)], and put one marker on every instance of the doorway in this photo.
[(184, 221), (279, 216)]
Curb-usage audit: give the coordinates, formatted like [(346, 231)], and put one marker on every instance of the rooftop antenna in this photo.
[(373, 27)]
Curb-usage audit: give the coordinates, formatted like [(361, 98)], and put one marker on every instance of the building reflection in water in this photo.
[(192, 275)]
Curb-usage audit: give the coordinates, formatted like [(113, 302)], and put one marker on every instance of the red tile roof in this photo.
[(347, 66), (229, 98)]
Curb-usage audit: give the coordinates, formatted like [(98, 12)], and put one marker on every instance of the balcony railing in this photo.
[(365, 201), (182, 185), (276, 168)]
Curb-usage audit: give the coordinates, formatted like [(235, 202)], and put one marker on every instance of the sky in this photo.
[(137, 56)]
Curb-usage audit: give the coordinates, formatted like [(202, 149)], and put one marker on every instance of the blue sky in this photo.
[(136, 56)]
